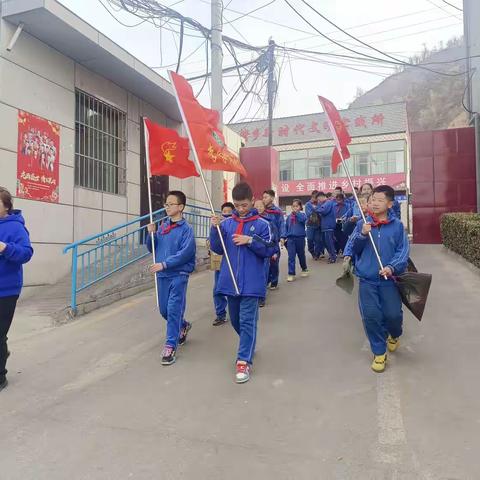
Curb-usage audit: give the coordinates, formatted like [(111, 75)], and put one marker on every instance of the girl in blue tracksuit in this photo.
[(15, 250), (295, 239), (341, 212), (174, 262), (248, 241), (379, 299), (326, 209)]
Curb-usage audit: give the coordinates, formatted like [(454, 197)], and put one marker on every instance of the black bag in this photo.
[(313, 220), (414, 288)]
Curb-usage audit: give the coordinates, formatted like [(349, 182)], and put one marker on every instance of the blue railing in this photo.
[(97, 257)]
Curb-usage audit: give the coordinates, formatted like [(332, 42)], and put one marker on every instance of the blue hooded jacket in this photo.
[(275, 215), (392, 244), (295, 228), (248, 261), (328, 212), (175, 248), (18, 251)]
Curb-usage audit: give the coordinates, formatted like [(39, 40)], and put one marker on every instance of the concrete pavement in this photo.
[(90, 400)]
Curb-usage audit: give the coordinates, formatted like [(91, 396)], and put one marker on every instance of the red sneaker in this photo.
[(243, 372)]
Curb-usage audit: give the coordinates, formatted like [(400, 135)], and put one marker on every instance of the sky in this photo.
[(398, 28)]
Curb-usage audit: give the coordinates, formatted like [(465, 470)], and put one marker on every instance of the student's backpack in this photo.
[(314, 220)]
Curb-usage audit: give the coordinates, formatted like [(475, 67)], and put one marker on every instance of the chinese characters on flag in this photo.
[(38, 158), (208, 140)]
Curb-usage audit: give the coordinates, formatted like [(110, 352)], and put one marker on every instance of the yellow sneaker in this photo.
[(379, 362), (290, 278), (392, 343)]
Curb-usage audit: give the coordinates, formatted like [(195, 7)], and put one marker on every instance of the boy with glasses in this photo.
[(174, 262)]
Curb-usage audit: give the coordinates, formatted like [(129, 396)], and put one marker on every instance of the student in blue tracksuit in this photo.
[(314, 233), (295, 240), (396, 209), (260, 207), (15, 250), (174, 262), (275, 215), (379, 299), (341, 213), (219, 301), (248, 241), (326, 209)]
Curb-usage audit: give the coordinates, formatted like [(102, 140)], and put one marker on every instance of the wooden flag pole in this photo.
[(152, 235), (200, 171), (337, 144)]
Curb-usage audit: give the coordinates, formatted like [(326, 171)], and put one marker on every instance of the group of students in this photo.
[(252, 239), (251, 235)]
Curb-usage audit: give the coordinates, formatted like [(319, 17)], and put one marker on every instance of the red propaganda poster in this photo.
[(38, 158)]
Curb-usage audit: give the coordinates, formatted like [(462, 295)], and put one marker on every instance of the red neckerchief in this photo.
[(376, 222), (294, 218), (242, 220), (274, 212), (164, 230)]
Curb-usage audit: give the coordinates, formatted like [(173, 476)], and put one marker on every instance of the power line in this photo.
[(441, 8), (357, 40), (249, 13), (452, 5)]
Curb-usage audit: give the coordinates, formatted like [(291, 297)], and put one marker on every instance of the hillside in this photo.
[(433, 101)]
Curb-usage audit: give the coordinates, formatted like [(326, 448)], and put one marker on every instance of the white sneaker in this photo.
[(290, 278), (305, 273), (243, 372)]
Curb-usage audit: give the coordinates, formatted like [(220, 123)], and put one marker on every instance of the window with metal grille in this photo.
[(100, 145)]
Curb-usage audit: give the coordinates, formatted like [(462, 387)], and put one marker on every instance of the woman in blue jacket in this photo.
[(15, 250), (295, 239)]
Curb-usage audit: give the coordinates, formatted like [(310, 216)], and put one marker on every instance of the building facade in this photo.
[(379, 150), (71, 142)]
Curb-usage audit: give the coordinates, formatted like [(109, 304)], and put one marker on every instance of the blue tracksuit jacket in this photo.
[(174, 247), (392, 244), (341, 210), (275, 215), (19, 251), (328, 212), (295, 225), (248, 261)]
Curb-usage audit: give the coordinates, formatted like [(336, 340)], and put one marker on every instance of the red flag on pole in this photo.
[(167, 152), (339, 131), (207, 138)]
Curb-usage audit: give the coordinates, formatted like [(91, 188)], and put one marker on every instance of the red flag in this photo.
[(167, 152), (339, 132), (208, 140)]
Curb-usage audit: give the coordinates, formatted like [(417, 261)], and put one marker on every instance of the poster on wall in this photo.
[(38, 158)]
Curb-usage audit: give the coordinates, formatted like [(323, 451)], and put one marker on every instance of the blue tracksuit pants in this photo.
[(296, 247), (329, 241), (219, 300), (315, 241), (340, 239), (381, 311), (172, 294), (244, 317), (274, 271)]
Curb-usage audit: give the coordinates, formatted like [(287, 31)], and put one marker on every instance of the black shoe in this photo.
[(219, 321), (168, 355), (261, 303), (184, 333), (3, 383)]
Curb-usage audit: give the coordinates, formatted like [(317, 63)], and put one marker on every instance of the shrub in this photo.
[(461, 234)]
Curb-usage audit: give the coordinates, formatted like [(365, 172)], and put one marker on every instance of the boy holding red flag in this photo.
[(248, 241)]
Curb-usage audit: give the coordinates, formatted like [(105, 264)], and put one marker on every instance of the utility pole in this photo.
[(271, 89), (217, 88)]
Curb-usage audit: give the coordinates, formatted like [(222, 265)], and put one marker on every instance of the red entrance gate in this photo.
[(442, 178)]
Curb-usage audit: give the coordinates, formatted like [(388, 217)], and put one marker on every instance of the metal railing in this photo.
[(97, 257)]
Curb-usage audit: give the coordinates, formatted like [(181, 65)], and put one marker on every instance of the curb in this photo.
[(462, 260)]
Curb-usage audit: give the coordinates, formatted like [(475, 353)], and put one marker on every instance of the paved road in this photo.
[(90, 400)]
